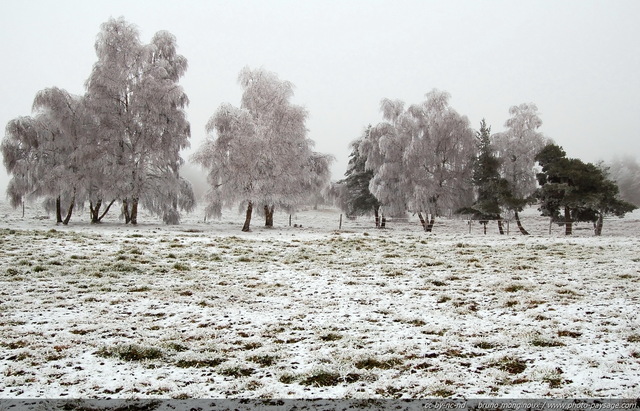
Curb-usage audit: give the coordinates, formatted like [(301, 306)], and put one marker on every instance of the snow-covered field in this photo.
[(202, 310)]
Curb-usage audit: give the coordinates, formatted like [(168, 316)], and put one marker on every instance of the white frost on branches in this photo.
[(421, 156), (260, 153)]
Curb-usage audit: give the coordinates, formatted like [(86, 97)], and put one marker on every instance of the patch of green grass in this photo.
[(485, 345), (237, 372), (634, 338), (14, 345), (264, 360), (124, 268), (181, 267), (287, 378), (442, 392), (200, 363), (131, 352), (175, 346), (140, 289), (371, 363), (554, 381), (39, 269), (543, 342), (252, 345), (514, 288), (567, 333), (322, 379), (331, 337), (512, 365)]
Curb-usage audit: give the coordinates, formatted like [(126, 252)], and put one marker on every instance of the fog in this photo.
[(578, 61)]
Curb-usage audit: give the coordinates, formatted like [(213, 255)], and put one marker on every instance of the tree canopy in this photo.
[(259, 153), (121, 140), (572, 191)]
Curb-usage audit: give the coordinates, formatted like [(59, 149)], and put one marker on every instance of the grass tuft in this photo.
[(131, 352)]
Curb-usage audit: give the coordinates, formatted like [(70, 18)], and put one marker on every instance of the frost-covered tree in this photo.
[(517, 147), (44, 152), (382, 148), (625, 171), (134, 93), (259, 154), (356, 196), (421, 157)]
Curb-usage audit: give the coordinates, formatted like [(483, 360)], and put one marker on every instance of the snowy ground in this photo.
[(202, 310)]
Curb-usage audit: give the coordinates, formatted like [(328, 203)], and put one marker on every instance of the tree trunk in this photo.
[(599, 224), (247, 219), (568, 226), (377, 216), (422, 221), (500, 228), (106, 210), (125, 211), (484, 226), (95, 211), (70, 210), (58, 211), (383, 222), (134, 211), (520, 227), (432, 221), (268, 215)]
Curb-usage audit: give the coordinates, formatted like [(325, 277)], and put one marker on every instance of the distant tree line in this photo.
[(427, 160)]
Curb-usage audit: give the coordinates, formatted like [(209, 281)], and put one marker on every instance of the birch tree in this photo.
[(421, 157), (259, 154), (517, 146), (133, 91), (383, 148), (43, 152)]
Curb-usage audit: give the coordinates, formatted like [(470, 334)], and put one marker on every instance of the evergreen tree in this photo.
[(572, 191), (492, 189), (357, 199)]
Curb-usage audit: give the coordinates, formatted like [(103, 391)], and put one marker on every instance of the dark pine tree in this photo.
[(358, 199), (490, 187), (572, 191)]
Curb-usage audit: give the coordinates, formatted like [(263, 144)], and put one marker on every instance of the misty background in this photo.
[(578, 61)]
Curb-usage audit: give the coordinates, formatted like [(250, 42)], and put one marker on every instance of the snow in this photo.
[(394, 313)]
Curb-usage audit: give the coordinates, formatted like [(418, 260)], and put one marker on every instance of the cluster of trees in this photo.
[(427, 160), (571, 190), (119, 142)]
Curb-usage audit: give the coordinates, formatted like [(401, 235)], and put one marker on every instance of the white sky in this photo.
[(579, 61)]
